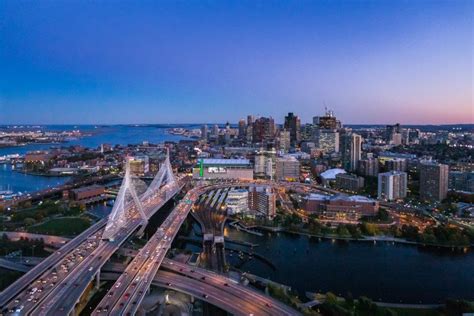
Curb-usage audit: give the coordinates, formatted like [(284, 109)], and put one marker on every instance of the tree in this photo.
[(369, 229), (366, 304), (29, 221), (342, 231), (383, 215)]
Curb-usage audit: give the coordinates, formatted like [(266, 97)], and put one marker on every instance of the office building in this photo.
[(293, 125), (263, 130), (242, 129), (328, 121), (204, 132), (392, 185), (250, 120), (262, 200), (345, 148), (434, 179), (284, 140), (327, 140), (237, 201), (390, 131), (287, 168), (215, 130), (264, 166), (307, 132), (461, 181)]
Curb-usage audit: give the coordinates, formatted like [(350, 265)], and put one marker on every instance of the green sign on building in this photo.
[(201, 168)]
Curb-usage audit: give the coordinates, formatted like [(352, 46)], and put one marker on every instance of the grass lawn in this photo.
[(66, 226), (7, 277)]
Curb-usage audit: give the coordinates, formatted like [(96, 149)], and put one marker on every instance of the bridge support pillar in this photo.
[(141, 230), (97, 280)]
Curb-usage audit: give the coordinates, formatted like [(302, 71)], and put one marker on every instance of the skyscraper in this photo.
[(327, 140), (242, 129), (293, 125), (393, 134), (204, 132), (284, 139), (356, 150), (434, 179), (328, 121), (392, 185), (215, 130), (263, 130), (345, 139), (250, 120)]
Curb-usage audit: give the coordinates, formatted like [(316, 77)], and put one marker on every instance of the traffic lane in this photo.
[(13, 290), (135, 293), (102, 254), (224, 284), (40, 288), (215, 296), (126, 280)]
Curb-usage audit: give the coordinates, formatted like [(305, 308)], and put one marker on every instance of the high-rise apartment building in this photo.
[(392, 185), (349, 182), (396, 164), (356, 151), (369, 167), (434, 179)]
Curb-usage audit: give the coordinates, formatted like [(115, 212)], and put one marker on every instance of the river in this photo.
[(382, 271)]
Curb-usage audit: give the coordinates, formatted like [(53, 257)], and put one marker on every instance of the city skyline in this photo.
[(372, 63)]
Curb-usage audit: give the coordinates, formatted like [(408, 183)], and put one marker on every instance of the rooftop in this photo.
[(331, 173), (339, 197), (226, 162)]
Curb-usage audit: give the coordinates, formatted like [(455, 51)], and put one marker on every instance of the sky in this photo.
[(114, 62)]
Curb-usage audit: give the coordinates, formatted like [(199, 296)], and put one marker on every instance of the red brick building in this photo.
[(341, 207)]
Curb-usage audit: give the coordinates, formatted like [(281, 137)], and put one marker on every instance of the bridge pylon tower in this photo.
[(164, 177), (127, 205)]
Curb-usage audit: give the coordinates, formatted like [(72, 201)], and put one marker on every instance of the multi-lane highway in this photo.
[(57, 290), (128, 291), (227, 285), (14, 291), (63, 298), (38, 289)]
